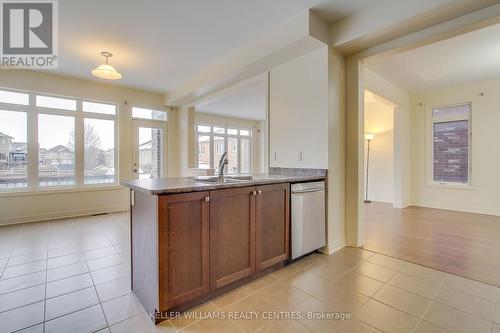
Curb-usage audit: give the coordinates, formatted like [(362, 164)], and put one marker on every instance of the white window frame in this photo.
[(211, 135), (32, 112), (162, 124), (430, 182)]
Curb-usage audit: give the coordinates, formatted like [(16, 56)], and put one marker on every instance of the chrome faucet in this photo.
[(222, 162)]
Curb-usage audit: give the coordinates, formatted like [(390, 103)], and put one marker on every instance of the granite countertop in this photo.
[(187, 184)]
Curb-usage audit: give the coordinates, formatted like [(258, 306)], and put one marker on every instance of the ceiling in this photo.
[(157, 44), (470, 57), (247, 101)]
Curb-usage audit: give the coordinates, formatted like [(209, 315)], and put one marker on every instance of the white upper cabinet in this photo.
[(299, 112)]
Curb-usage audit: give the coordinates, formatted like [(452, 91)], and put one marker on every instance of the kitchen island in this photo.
[(193, 240)]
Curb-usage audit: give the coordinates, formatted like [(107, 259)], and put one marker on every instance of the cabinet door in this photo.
[(183, 247), (272, 224), (232, 235)]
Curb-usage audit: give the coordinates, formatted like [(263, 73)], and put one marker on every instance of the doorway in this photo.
[(149, 149), (379, 149)]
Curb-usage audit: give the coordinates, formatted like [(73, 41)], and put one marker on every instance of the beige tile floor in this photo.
[(73, 276)]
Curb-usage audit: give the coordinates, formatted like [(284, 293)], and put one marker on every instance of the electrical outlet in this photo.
[(299, 156)]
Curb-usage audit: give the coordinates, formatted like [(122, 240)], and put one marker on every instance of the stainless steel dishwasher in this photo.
[(308, 218)]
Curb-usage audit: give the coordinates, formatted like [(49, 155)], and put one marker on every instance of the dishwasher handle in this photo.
[(309, 190)]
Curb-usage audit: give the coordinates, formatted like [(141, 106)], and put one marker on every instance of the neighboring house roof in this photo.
[(59, 149), (20, 147), (5, 135)]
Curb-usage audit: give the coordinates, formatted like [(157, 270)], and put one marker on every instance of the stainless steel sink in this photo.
[(226, 179), (240, 177)]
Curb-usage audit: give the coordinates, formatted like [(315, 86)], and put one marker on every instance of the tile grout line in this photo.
[(423, 265), (72, 276), (431, 300), (93, 282), (298, 269), (46, 282), (11, 252), (397, 271)]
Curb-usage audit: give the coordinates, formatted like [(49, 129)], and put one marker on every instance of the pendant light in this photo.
[(106, 71)]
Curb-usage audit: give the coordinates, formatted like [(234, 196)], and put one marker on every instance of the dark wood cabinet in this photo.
[(272, 224), (232, 235), (183, 246), (190, 247)]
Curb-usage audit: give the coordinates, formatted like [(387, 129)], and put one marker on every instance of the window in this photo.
[(451, 144), (14, 97), (13, 149), (203, 148), (213, 141), (56, 150), (245, 155), (99, 151), (148, 114), (232, 155), (150, 148), (69, 132), (98, 108), (56, 103)]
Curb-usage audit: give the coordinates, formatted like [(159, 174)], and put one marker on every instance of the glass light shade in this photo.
[(369, 136), (107, 72)]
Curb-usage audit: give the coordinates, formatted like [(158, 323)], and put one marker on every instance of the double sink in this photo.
[(225, 179)]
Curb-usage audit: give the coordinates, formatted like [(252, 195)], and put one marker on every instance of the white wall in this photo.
[(379, 120), (299, 112), (484, 194), (22, 207), (336, 152), (402, 165), (307, 114)]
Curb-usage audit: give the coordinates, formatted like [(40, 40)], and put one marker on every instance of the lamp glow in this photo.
[(106, 71), (369, 136)]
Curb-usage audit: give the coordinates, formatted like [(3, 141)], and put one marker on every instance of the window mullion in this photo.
[(239, 154), (226, 149), (32, 145), (211, 151), (79, 145)]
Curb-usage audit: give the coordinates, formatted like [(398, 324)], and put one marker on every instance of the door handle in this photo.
[(254, 193), (259, 192)]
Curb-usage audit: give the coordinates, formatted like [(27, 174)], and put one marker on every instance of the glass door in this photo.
[(149, 143)]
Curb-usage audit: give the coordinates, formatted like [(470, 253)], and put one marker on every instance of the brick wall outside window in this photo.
[(451, 151)]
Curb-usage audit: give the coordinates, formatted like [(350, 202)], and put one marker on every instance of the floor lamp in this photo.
[(369, 137)]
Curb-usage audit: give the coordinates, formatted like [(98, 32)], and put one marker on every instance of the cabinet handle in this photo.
[(207, 199), (254, 193), (259, 192)]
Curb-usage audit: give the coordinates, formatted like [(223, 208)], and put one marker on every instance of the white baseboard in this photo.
[(333, 246), (61, 215), (464, 209)]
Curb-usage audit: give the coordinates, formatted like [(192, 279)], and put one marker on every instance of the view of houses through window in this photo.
[(213, 141), (150, 152), (13, 149), (62, 125)]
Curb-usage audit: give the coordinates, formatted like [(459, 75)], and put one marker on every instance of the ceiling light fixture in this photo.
[(106, 71)]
